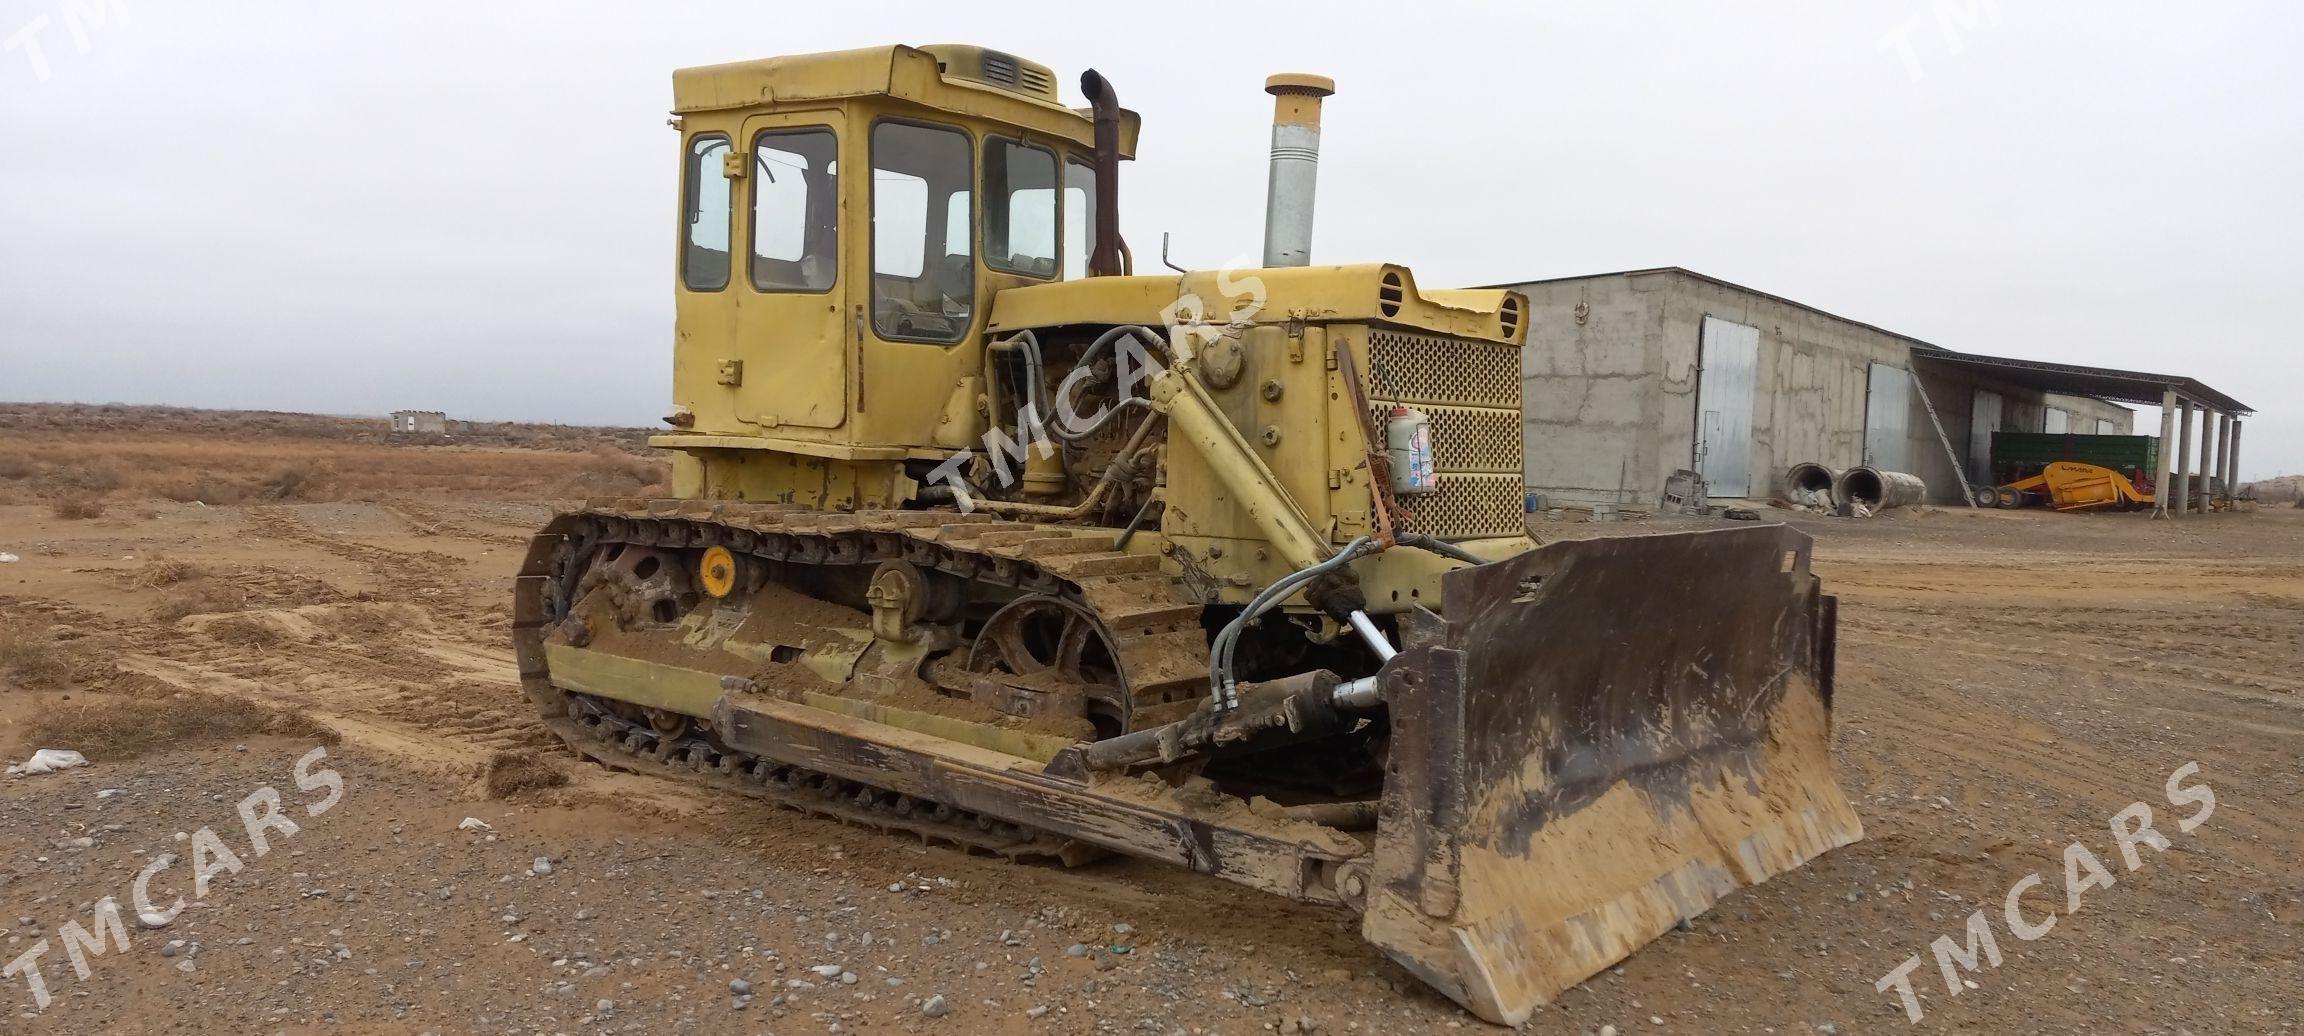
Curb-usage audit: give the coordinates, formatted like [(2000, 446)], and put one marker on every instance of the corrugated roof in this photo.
[(2078, 380), (2067, 378)]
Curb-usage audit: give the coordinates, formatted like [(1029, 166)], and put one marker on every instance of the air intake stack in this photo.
[(1295, 166)]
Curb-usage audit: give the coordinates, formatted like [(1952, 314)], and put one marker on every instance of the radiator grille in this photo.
[(1467, 506), (1469, 439), (1413, 368), (1470, 390)]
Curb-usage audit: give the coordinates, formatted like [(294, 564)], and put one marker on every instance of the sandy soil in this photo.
[(2008, 681)]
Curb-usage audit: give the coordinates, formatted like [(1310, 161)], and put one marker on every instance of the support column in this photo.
[(2232, 458), (2206, 497), (2165, 488), (2180, 486), (2224, 453)]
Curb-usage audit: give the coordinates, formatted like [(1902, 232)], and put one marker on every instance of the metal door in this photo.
[(1983, 420), (796, 329), (1888, 418), (1729, 356)]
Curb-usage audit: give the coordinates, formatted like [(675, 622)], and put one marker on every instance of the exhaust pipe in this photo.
[(1295, 166), (1107, 255)]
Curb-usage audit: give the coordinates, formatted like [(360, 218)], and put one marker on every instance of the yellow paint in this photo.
[(796, 398), (717, 571), (690, 692), (1022, 744), (2073, 486)]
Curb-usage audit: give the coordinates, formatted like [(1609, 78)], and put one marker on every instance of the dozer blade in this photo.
[(1601, 739)]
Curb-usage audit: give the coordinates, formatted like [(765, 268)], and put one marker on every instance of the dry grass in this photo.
[(182, 422), (299, 483), (37, 660), (201, 597), (78, 507), (196, 489), (93, 475), (221, 457), (160, 573), (220, 471), (247, 632), (110, 728), (373, 622), (509, 773)]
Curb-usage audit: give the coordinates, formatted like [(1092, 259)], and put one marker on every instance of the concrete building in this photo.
[(419, 422), (1631, 376)]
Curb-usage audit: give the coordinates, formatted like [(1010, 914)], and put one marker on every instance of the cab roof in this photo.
[(963, 80)]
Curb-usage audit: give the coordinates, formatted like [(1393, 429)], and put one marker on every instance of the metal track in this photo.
[(594, 731), (1160, 642)]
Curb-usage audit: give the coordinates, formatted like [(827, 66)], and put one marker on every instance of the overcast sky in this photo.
[(352, 208)]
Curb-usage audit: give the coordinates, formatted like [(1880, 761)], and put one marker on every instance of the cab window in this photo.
[(1079, 217), (795, 210), (1019, 208), (923, 252), (706, 211)]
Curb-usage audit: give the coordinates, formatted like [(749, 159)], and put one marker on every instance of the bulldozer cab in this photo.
[(845, 219)]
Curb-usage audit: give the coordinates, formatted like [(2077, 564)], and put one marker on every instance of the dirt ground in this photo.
[(2007, 683)]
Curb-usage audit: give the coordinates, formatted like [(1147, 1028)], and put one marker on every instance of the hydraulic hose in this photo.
[(1062, 429), (1220, 678), (1424, 541), (1224, 686)]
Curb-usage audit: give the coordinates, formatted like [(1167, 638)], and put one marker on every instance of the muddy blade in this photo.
[(1603, 738)]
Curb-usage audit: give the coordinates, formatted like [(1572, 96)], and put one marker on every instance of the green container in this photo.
[(2018, 455)]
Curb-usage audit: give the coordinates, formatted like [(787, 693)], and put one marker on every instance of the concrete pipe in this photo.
[(1868, 490), (1810, 484)]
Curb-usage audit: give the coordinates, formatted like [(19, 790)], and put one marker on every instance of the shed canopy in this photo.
[(2075, 380)]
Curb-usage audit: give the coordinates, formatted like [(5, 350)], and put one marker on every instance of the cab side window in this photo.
[(795, 210), (1079, 217), (1019, 208), (706, 210), (923, 252)]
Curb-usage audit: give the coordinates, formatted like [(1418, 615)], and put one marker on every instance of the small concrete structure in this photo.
[(419, 422), (1628, 377)]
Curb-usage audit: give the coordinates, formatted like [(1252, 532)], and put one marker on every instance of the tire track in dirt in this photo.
[(412, 669), (2111, 659), (417, 571), (426, 579), (425, 521)]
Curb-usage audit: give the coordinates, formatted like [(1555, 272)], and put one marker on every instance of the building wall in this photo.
[(1592, 391), (420, 422), (1611, 388), (2085, 412)]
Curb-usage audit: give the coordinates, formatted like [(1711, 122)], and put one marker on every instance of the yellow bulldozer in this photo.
[(979, 536)]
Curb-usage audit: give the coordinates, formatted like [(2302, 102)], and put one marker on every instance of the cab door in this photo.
[(787, 289)]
